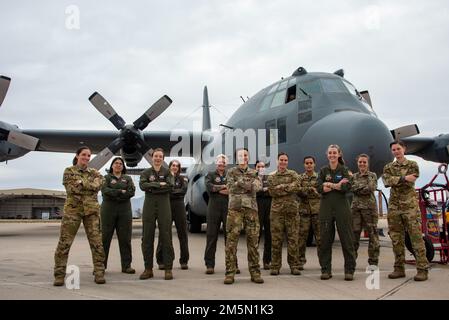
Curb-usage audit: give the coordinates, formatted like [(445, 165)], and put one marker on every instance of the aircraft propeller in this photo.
[(8, 133), (4, 85), (129, 134)]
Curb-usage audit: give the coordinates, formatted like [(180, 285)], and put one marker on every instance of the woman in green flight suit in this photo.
[(116, 213), (333, 184)]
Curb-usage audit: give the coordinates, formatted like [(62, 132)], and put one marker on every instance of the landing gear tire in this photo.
[(430, 251)]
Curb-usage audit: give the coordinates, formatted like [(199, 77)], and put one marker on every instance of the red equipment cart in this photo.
[(433, 204)]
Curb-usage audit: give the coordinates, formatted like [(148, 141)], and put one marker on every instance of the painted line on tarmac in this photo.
[(394, 290)]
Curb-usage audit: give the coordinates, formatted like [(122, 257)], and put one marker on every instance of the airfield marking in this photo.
[(395, 289)]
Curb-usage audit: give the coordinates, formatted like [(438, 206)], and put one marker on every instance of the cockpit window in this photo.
[(283, 85), (333, 86), (310, 87), (273, 88), (266, 102), (279, 98), (351, 88)]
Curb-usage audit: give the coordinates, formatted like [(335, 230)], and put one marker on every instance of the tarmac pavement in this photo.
[(26, 272)]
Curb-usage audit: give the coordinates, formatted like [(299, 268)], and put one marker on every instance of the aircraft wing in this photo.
[(432, 149), (70, 140), (162, 139)]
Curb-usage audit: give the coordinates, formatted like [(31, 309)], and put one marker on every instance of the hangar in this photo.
[(31, 203)]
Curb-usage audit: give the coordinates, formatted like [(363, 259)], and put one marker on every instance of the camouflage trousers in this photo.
[(410, 221), (366, 219), (69, 227), (307, 221), (249, 219), (281, 222)]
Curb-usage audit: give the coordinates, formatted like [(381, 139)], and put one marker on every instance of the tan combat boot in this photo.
[(168, 275), (274, 272), (295, 271), (210, 270), (148, 273), (128, 270), (99, 278), (422, 275), (256, 278), (59, 281), (229, 279), (397, 273)]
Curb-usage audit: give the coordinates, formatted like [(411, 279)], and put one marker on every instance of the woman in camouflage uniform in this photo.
[(116, 212), (82, 185), (403, 212), (364, 208)]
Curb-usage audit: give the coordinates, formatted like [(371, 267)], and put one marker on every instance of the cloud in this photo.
[(133, 53)]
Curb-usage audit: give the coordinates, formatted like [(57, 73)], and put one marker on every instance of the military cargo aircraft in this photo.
[(308, 111)]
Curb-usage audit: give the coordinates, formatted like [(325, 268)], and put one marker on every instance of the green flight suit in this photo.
[(178, 212), (116, 214), (217, 211), (156, 207), (335, 209)]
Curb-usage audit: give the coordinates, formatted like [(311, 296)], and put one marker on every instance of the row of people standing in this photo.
[(333, 182), (324, 206), (164, 193)]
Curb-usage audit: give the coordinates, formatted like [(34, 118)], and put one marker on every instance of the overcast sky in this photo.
[(134, 52)]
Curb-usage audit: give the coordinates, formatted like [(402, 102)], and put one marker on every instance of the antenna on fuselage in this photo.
[(242, 99), (206, 110)]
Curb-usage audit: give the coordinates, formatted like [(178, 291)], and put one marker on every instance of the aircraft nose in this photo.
[(355, 133)]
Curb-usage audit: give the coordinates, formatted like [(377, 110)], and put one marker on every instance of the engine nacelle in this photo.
[(9, 151), (132, 159), (438, 151)]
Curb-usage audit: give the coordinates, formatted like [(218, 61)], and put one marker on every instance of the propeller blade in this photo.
[(106, 154), (405, 131), (153, 112), (106, 110), (4, 85), (22, 140), (149, 156)]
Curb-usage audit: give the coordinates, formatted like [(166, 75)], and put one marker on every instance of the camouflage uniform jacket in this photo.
[(150, 181), (214, 182), (402, 195), (113, 186), (363, 187), (308, 194), (283, 187), (179, 188), (243, 185), (82, 186)]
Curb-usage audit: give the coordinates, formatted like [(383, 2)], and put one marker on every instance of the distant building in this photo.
[(31, 203)]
